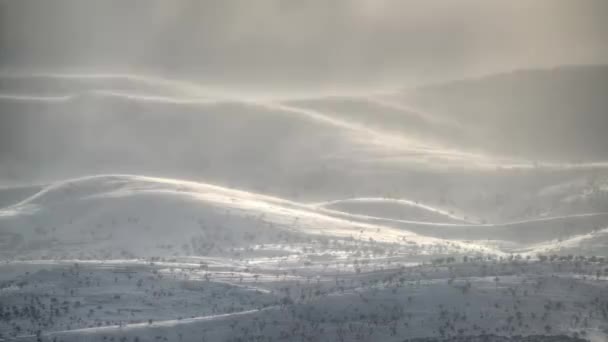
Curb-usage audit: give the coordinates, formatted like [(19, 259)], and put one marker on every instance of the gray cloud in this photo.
[(303, 44)]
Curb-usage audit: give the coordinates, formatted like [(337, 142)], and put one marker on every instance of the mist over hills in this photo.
[(278, 171), (382, 212), (524, 117), (436, 144)]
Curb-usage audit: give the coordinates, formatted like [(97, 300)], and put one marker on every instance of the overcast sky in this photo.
[(303, 44)]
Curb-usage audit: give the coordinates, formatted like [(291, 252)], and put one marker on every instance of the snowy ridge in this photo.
[(363, 201), (593, 243)]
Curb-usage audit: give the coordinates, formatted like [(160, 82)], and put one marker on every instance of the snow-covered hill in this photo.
[(126, 216), (136, 216)]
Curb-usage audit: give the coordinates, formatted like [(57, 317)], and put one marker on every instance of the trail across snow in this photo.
[(164, 324)]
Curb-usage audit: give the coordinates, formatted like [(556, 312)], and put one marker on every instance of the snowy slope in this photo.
[(135, 216), (508, 236), (506, 300), (126, 216)]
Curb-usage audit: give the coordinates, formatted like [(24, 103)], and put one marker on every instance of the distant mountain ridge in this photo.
[(557, 114)]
